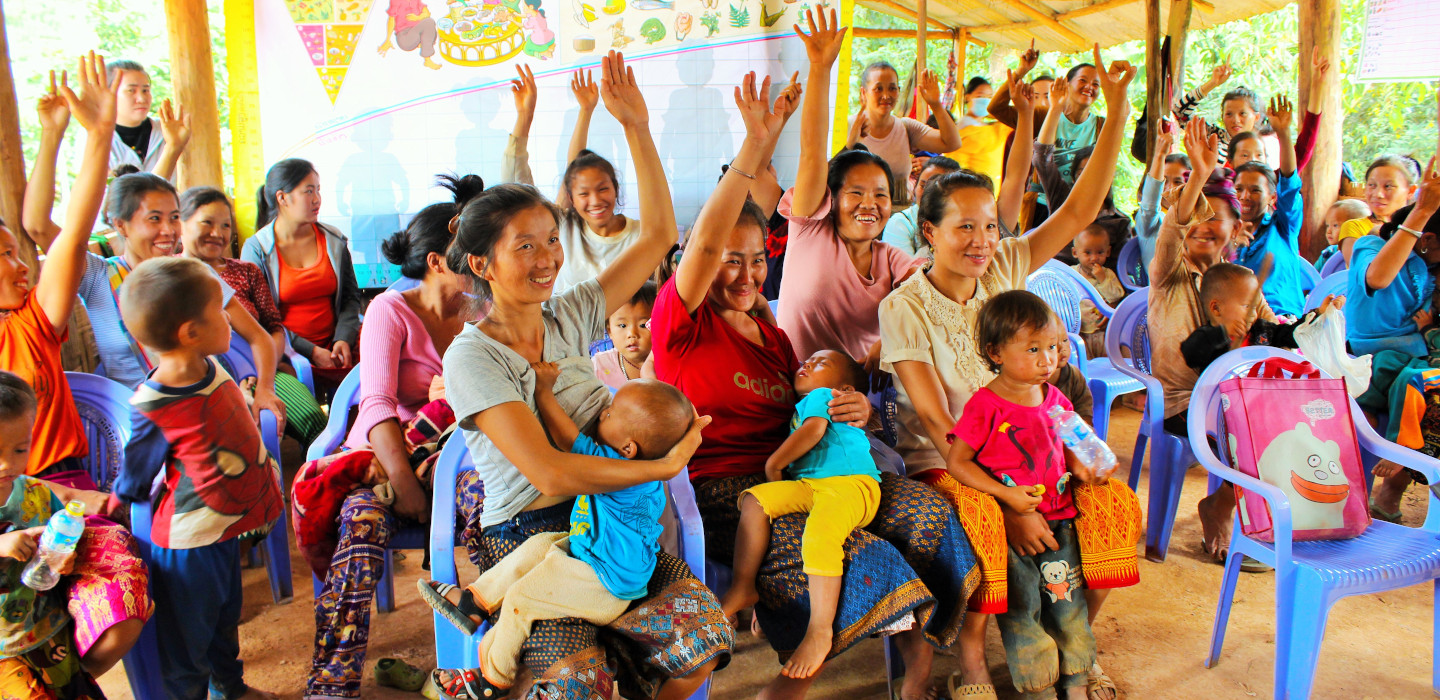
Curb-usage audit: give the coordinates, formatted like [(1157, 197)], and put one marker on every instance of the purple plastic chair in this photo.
[(1337, 284), (1063, 288), (1335, 264), (1131, 269), (1311, 576)]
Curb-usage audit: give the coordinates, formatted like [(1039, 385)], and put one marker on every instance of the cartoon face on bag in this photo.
[(1308, 470)]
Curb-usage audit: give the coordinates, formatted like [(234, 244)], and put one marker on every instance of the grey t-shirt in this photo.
[(481, 373)]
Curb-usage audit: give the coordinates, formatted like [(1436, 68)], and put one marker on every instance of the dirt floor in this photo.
[(1152, 637)]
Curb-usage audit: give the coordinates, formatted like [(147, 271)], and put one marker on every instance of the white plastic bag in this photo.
[(1322, 342)]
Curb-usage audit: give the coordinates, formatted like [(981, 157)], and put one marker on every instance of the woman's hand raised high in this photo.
[(1203, 148), (54, 113), (94, 106), (1114, 83), (788, 101), (586, 92), (621, 93), (761, 123), (524, 90), (822, 44), (1022, 96)]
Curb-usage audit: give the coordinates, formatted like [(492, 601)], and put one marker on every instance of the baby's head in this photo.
[(645, 419), (629, 326), (174, 304), (1228, 293), (17, 420), (1341, 211), (831, 369), (1019, 337), (1092, 248)]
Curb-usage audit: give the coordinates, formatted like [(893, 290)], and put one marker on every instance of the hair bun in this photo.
[(396, 248), (123, 170), (462, 187)]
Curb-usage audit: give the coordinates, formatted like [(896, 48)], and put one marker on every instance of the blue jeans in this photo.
[(1046, 630), (197, 618)]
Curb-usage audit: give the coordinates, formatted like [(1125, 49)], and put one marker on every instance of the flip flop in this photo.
[(1097, 683), (1378, 514), (394, 673), (434, 592), (972, 691), (468, 684)]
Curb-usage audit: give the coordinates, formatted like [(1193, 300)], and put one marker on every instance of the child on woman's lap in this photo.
[(629, 331), (606, 560), (835, 481), (1005, 446), (1092, 249)]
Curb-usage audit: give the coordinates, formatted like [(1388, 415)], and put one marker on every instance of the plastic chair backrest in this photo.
[(1312, 276), (775, 307), (1129, 331), (1335, 264), (346, 395), (601, 345), (1063, 289), (403, 284), (1337, 283), (1131, 267), (104, 408), (238, 360)]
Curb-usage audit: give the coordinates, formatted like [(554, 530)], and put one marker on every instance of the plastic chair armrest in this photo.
[(687, 514)]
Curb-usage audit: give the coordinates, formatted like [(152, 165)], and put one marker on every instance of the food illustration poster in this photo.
[(590, 28), (330, 31)]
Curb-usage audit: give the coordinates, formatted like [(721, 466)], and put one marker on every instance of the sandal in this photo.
[(434, 592), (972, 691), (1378, 514), (468, 684), (1098, 686), (394, 673)]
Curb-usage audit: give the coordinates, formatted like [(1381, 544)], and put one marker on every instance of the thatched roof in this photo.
[(1063, 25)]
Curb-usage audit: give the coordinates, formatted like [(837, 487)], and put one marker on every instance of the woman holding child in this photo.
[(740, 369), (927, 329), (507, 243)]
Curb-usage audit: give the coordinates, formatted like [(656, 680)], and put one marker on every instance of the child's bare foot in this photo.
[(257, 694), (1075, 692), (739, 597), (918, 688), (807, 660)]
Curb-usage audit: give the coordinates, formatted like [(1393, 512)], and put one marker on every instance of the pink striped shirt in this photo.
[(399, 363)]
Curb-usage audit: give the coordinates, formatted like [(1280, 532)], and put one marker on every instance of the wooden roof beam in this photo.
[(895, 9), (1103, 6), (1047, 20)]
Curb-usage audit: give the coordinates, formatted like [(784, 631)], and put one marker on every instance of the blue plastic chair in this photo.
[(1131, 267), (1312, 277), (239, 362), (1169, 454), (1337, 284), (1063, 288), (455, 649), (601, 345), (775, 307), (404, 284), (1311, 576), (327, 443), (1335, 264)]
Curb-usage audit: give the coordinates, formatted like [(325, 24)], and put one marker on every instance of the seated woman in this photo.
[(592, 231), (1057, 183), (507, 244), (145, 210), (207, 227), (1391, 182), (739, 368), (893, 138), (307, 265), (109, 599), (927, 329), (405, 335)]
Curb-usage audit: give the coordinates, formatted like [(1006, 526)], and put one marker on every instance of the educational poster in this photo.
[(1400, 42), (383, 95)]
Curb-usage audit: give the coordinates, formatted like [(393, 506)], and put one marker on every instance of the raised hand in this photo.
[(621, 93), (1164, 142), (1114, 82), (1218, 75), (586, 92), (174, 125), (1280, 113), (761, 123), (1059, 90), (94, 106), (1028, 61), (54, 113), (822, 44), (1203, 148), (1021, 94), (524, 90), (1319, 66), (1429, 197), (930, 88), (788, 101)]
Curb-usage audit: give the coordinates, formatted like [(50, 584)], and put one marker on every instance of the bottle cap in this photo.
[(75, 508)]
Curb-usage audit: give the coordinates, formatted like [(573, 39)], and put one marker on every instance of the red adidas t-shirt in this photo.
[(746, 388)]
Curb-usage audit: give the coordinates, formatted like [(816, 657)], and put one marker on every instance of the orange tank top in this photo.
[(307, 296), (30, 348)]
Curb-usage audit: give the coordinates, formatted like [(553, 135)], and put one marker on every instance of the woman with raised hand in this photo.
[(147, 143), (507, 243), (739, 368), (927, 329), (894, 138)]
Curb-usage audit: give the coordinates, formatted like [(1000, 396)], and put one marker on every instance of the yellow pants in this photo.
[(540, 580), (836, 504)]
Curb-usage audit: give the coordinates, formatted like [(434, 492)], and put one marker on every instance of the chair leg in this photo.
[(1137, 459), (894, 666), (277, 562), (1435, 641), (385, 588), (1166, 482), (1297, 641), (1100, 392), (1222, 607)]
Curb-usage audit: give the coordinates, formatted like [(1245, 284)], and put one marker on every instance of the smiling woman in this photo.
[(894, 138)]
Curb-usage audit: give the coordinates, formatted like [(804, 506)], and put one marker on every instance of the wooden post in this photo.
[(194, 74), (922, 12), (1177, 29), (1154, 76), (12, 157), (962, 41), (1320, 28)]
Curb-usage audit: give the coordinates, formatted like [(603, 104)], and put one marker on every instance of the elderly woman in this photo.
[(405, 335), (927, 329), (507, 242), (739, 368)]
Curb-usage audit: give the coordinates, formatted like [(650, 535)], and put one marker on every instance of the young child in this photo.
[(834, 479), (1230, 295), (1341, 213), (38, 657), (629, 330), (1006, 447), (190, 422), (604, 562), (1092, 249), (1070, 381)]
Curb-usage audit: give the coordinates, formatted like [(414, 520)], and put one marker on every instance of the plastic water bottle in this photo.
[(1082, 440), (61, 534)]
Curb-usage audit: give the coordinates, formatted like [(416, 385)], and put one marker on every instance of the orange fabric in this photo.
[(30, 348), (307, 297), (1108, 527)]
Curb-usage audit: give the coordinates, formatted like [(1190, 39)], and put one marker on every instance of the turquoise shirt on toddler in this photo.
[(617, 533), (843, 451)]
